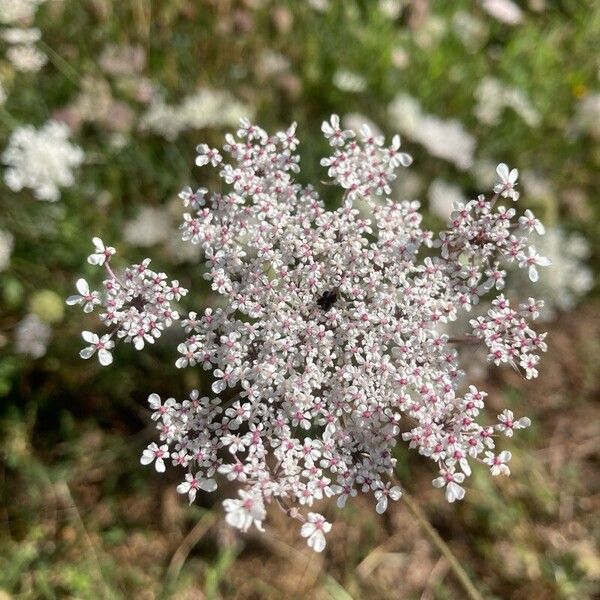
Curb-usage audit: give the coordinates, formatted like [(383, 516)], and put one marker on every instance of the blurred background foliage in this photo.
[(140, 84)]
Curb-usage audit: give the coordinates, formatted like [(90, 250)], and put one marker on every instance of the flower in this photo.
[(102, 345), (151, 226), (451, 481), (26, 58), (532, 260), (247, 511), (137, 306), (497, 463), (329, 331), (193, 483), (207, 155), (530, 223), (505, 11), (507, 423), (382, 495), (207, 108), (13, 11), (32, 336), (445, 139), (85, 298), (102, 253), (42, 160), (508, 181), (156, 454), (314, 530), (333, 132)]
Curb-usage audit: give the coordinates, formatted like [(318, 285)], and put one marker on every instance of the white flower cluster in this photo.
[(328, 345), (447, 140), (137, 305), (32, 336), (42, 160), (493, 96), (23, 53), (207, 108), (14, 11)]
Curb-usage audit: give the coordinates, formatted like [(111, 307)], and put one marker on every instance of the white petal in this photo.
[(147, 457), (82, 287), (533, 274), (405, 159), (307, 529), (105, 357), (208, 485), (75, 299), (154, 401), (98, 243), (160, 465), (317, 541), (89, 337), (87, 352)]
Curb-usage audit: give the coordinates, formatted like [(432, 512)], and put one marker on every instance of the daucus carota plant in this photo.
[(328, 347)]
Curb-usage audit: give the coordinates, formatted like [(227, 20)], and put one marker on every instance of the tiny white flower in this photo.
[(508, 181), (497, 463), (248, 510), (383, 494), (154, 453), (85, 298), (102, 253), (193, 483), (314, 530), (101, 345), (451, 480)]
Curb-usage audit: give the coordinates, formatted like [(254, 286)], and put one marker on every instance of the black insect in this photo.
[(138, 302), (327, 300)]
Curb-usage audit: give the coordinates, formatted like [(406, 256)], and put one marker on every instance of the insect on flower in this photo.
[(327, 300)]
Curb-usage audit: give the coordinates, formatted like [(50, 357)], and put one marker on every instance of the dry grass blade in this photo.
[(186, 546)]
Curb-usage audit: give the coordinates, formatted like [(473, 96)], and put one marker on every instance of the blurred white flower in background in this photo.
[(207, 108), (17, 35), (484, 172), (493, 96), (13, 11), (151, 226), (447, 140), (469, 29), (32, 336), (272, 63), (349, 81), (319, 5), (390, 8), (122, 60), (26, 58), (41, 160), (505, 11), (587, 115), (442, 196), (7, 243), (23, 54)]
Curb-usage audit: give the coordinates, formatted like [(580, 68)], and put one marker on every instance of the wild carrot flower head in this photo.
[(328, 347)]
